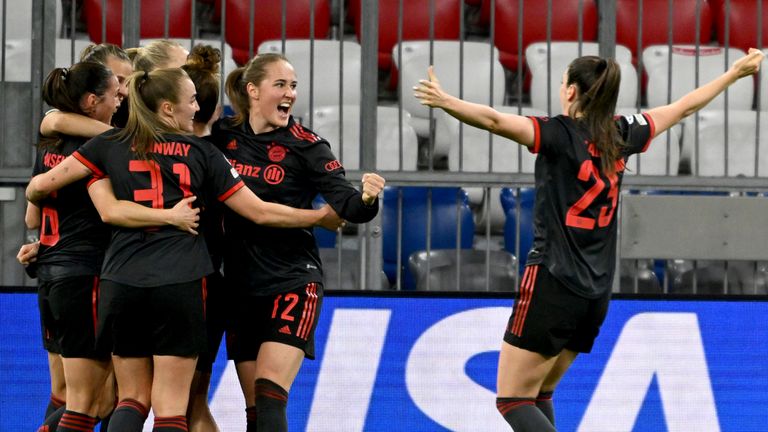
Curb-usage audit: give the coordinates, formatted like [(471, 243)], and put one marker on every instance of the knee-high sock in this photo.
[(53, 404), (76, 422), (271, 400), (250, 418), (128, 416), (544, 403), (51, 422), (523, 416), (170, 424)]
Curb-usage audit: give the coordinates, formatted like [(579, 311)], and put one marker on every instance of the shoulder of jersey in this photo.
[(302, 134)]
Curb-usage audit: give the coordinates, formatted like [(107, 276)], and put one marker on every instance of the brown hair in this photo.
[(598, 80), (100, 53), (64, 88), (148, 90), (203, 68), (255, 71)]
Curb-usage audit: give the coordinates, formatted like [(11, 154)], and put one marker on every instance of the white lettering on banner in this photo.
[(350, 362), (669, 346), (436, 371), (228, 404)]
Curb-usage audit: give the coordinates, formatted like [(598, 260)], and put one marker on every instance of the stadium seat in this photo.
[(325, 84), (509, 202), (443, 266), (708, 277), (638, 276), (742, 21), (711, 63), (741, 156), (326, 122), (557, 56), (17, 22), (655, 25), (565, 25), (415, 23), (448, 206), (152, 20), (267, 24), (18, 57), (479, 65), (654, 160), (482, 152)]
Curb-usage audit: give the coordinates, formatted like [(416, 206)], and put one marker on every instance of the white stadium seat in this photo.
[(478, 67), (706, 150), (712, 62), (562, 54), (327, 124)]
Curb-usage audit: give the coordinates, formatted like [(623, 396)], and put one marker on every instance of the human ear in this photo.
[(253, 91)]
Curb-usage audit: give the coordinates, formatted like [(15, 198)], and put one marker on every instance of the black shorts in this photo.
[(216, 316), (548, 316), (146, 321), (289, 318)]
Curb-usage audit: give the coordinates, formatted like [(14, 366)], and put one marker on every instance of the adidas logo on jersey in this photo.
[(285, 330)]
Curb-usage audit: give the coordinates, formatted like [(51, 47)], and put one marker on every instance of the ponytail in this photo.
[(598, 82), (148, 90)]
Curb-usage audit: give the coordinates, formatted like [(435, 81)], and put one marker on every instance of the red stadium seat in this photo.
[(152, 20), (565, 20), (416, 19), (655, 30), (267, 22), (742, 20)]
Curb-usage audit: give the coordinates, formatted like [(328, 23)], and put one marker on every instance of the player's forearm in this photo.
[(477, 115), (72, 124), (700, 97)]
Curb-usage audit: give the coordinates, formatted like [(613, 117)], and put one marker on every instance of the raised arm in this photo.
[(68, 171), (133, 215), (58, 122), (512, 126), (247, 204), (667, 116)]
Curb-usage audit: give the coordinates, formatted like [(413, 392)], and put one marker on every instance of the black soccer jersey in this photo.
[(290, 166), (72, 236), (177, 167), (575, 207)]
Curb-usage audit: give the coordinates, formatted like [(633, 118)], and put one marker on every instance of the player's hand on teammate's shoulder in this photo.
[(749, 64), (373, 184)]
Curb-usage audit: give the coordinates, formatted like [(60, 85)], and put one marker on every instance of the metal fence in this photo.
[(458, 214)]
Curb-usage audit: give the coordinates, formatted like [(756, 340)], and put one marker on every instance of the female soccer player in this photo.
[(277, 273), (151, 313), (73, 239), (564, 293)]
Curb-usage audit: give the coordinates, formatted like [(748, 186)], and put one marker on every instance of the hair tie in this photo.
[(64, 73)]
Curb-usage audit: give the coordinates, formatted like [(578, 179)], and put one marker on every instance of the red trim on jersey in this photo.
[(80, 158), (536, 136), (223, 197), (95, 305), (299, 132), (504, 408), (653, 131), (94, 179), (526, 293), (205, 294), (308, 315)]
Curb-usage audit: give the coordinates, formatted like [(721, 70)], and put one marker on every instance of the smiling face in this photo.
[(105, 105), (182, 113), (122, 70), (271, 100)]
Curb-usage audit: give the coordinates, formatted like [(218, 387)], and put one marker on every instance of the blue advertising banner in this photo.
[(429, 364)]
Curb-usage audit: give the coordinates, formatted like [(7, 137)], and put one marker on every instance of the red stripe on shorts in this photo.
[(95, 305), (308, 314), (526, 292), (205, 294)]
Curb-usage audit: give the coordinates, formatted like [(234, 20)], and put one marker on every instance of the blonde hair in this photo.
[(153, 56), (148, 90)]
